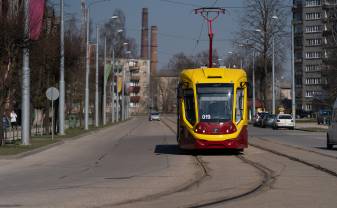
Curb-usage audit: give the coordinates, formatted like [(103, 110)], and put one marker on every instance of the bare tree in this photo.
[(11, 39), (263, 20)]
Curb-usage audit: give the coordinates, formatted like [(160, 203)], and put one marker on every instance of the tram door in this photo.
[(241, 112)]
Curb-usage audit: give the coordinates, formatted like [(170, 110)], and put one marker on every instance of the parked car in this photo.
[(268, 120), (154, 116), (284, 121), (259, 117), (323, 116), (331, 138)]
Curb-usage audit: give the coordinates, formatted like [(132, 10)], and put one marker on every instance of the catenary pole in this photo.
[(62, 84), (123, 94), (86, 99), (96, 78), (273, 77), (113, 87), (104, 85), (293, 75), (25, 117), (254, 107)]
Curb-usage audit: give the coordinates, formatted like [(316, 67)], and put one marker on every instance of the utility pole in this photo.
[(205, 13), (96, 78), (104, 84), (113, 87), (123, 95), (117, 96), (293, 102), (25, 124), (86, 100), (62, 84), (273, 69), (254, 107), (273, 77)]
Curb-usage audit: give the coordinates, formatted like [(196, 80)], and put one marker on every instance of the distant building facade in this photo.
[(313, 37), (137, 79)]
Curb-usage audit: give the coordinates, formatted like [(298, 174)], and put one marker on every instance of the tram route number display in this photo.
[(206, 117)]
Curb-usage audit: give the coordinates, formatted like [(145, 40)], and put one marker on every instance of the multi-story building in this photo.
[(139, 86), (137, 79), (312, 38)]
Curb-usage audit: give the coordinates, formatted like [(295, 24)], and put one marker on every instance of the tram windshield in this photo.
[(215, 102)]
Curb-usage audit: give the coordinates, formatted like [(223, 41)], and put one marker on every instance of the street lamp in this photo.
[(293, 73), (253, 72), (104, 75), (230, 53), (128, 98), (113, 118), (273, 68), (87, 67), (123, 89), (219, 61)]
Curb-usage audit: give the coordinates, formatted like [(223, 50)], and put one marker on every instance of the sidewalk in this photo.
[(311, 126)]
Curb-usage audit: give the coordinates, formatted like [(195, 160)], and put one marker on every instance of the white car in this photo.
[(332, 131), (284, 121), (154, 116)]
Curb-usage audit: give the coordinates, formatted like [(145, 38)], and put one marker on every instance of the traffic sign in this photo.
[(52, 93)]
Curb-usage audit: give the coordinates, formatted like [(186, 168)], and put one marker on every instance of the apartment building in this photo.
[(313, 36), (137, 79)]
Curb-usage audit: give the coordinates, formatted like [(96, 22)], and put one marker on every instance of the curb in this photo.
[(308, 130), (62, 141)]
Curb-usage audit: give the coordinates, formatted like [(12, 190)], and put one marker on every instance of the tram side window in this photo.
[(189, 105), (239, 105)]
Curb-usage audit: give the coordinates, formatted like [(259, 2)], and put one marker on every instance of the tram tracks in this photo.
[(299, 159), (269, 176)]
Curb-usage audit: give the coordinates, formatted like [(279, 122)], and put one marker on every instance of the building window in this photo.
[(312, 81), (330, 2), (313, 16), (312, 93), (310, 3), (313, 29), (314, 42), (308, 107), (298, 81), (313, 55), (312, 68)]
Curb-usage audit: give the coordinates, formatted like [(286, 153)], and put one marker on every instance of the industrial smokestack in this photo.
[(153, 68), (154, 51), (144, 51)]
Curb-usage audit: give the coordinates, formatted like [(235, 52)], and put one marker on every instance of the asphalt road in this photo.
[(315, 141), (116, 165), (138, 164)]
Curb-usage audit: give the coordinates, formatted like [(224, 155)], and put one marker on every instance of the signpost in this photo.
[(52, 94)]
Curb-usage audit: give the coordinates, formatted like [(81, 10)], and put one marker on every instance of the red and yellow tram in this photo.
[(212, 109)]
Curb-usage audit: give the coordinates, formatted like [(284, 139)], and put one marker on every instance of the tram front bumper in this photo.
[(226, 144)]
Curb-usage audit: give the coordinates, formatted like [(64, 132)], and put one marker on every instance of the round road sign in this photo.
[(52, 93)]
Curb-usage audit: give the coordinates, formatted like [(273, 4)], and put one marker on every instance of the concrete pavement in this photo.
[(114, 165)]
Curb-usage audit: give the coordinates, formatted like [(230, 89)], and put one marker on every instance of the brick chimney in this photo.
[(154, 51), (144, 50)]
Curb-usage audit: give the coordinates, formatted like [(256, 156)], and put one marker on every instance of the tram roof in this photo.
[(209, 75)]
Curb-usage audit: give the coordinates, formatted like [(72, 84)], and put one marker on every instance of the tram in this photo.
[(212, 109)]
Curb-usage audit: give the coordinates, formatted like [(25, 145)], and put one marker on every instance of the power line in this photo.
[(181, 3)]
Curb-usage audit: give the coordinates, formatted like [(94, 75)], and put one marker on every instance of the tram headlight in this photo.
[(215, 128)]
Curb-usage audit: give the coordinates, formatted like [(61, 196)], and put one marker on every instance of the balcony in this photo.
[(134, 78), (134, 69), (328, 4), (134, 99), (134, 89), (118, 68), (298, 60)]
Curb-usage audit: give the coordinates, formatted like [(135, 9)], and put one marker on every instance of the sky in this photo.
[(178, 27)]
